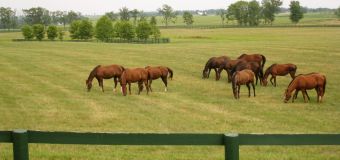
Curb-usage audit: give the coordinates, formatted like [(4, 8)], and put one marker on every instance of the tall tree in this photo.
[(169, 15), (134, 14), (124, 14), (270, 7), (153, 21), (254, 13), (7, 18), (240, 11), (73, 16), (37, 15), (188, 18), (112, 16), (104, 29), (296, 11), (222, 13), (337, 12)]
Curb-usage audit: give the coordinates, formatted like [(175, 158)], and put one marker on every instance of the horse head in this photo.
[(264, 81), (88, 85), (287, 96)]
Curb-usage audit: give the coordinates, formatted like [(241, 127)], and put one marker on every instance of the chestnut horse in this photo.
[(228, 66), (244, 77), (138, 75), (104, 72), (278, 70), (159, 72), (259, 58), (214, 63), (254, 66), (305, 82)]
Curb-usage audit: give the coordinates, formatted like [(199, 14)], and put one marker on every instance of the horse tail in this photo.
[(264, 60), (171, 73), (324, 86)]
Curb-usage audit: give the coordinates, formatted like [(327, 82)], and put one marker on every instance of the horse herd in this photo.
[(128, 76), (247, 70)]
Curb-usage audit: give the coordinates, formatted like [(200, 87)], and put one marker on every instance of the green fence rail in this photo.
[(231, 142)]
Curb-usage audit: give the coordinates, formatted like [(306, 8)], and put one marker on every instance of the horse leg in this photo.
[(295, 95), (275, 81), (150, 81), (129, 88), (101, 83), (304, 95), (165, 81), (271, 80), (229, 76), (115, 80), (238, 91), (217, 74), (253, 87), (257, 77), (248, 89), (146, 86), (209, 72)]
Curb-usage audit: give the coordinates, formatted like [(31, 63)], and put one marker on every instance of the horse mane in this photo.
[(208, 63), (93, 72), (242, 55), (269, 69)]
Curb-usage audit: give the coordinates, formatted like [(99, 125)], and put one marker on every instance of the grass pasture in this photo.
[(42, 88)]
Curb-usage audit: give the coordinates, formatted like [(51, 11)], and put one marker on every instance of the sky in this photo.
[(91, 7)]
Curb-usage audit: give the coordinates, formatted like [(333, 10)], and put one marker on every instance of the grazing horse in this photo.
[(244, 77), (259, 58), (305, 82), (214, 63), (104, 72), (254, 66), (228, 66), (159, 72), (278, 70), (138, 75)]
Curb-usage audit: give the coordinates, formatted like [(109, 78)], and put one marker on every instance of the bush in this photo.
[(124, 30), (27, 32), (61, 34), (39, 31), (81, 29), (52, 32), (104, 29), (143, 30)]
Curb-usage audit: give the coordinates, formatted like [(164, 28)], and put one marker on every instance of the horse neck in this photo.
[(266, 74), (123, 78), (292, 86)]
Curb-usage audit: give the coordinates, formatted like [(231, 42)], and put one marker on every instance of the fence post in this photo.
[(231, 146), (20, 144)]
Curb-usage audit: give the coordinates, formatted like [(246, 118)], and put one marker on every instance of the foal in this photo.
[(244, 77), (139, 75), (278, 70)]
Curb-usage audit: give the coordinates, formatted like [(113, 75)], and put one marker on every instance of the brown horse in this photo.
[(228, 66), (138, 75), (244, 77), (259, 58), (278, 70), (254, 66), (159, 72), (305, 82), (214, 63), (104, 72)]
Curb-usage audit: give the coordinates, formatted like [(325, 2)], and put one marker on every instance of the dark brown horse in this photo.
[(305, 82), (259, 58), (104, 72), (214, 63), (278, 70), (159, 72), (228, 66), (254, 66), (138, 75), (244, 77)]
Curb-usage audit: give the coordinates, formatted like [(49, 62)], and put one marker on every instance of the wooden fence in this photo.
[(231, 142)]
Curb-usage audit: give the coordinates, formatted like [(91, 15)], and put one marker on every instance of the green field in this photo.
[(43, 88)]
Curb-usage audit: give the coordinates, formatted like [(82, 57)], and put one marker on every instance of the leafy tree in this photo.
[(337, 13), (7, 18), (37, 15), (104, 29), (240, 11), (61, 34), (124, 30), (296, 11), (155, 32), (143, 30), (222, 13), (52, 32), (169, 15), (74, 29), (188, 18), (39, 31), (134, 14), (124, 14), (153, 21), (73, 16), (112, 16), (86, 29), (27, 32), (270, 7), (254, 13)]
